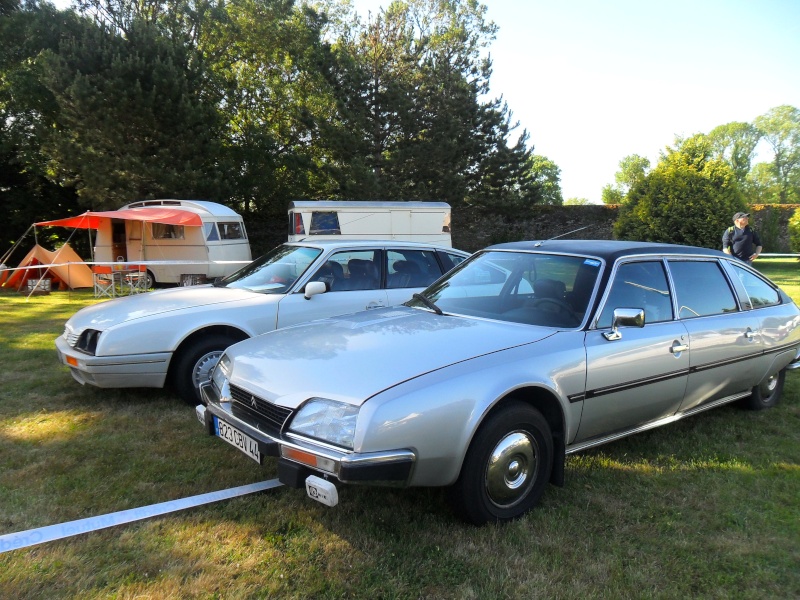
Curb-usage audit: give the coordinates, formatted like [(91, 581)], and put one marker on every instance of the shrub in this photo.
[(794, 231), (689, 198)]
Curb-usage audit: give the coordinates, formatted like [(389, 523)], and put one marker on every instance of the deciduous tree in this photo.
[(780, 127), (688, 198)]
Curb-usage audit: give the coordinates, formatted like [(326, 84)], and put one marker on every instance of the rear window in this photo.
[(759, 292)]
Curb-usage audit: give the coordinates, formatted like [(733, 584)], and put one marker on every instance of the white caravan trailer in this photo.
[(179, 240), (206, 232), (361, 220)]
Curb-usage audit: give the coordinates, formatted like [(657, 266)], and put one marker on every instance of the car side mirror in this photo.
[(315, 287), (624, 317)]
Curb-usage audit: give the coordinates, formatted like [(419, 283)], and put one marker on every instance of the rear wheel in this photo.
[(767, 393), (194, 364), (506, 468)]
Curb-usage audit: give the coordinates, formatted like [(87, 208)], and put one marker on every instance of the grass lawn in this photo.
[(708, 507)]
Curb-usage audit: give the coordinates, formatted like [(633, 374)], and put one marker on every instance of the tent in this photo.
[(62, 266)]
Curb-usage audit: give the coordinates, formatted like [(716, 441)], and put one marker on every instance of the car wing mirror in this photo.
[(315, 287), (624, 317)]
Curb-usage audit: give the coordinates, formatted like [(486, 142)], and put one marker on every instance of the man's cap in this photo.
[(740, 215)]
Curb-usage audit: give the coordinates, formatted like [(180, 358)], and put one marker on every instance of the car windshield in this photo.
[(273, 273), (551, 290)]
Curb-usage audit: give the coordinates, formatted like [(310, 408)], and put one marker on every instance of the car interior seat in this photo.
[(582, 288), (363, 274), (549, 288), (332, 273)]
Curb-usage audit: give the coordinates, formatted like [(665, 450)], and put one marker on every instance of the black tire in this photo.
[(194, 364), (150, 280), (767, 393), (506, 468)]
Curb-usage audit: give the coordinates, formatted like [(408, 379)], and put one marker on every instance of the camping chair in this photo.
[(136, 279), (103, 278)]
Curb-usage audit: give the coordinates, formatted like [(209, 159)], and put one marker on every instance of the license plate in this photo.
[(237, 439)]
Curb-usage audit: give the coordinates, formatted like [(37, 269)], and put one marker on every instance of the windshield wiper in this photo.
[(428, 302)]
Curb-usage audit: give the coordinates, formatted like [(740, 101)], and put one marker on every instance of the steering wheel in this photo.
[(559, 304)]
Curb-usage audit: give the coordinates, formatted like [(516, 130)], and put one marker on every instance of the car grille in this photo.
[(266, 412)]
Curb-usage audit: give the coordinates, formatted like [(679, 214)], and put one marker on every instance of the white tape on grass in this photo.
[(32, 537)]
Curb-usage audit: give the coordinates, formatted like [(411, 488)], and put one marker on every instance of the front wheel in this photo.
[(767, 393), (194, 364), (506, 468)]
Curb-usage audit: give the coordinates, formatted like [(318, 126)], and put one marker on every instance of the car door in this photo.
[(725, 343), (641, 376), (354, 281)]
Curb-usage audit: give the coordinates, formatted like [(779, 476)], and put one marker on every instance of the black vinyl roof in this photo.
[(609, 250)]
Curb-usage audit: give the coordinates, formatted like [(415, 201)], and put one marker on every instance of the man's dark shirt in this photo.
[(742, 242)]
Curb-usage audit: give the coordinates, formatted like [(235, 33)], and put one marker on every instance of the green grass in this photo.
[(707, 507)]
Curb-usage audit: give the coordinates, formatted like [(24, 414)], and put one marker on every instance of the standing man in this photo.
[(741, 240)]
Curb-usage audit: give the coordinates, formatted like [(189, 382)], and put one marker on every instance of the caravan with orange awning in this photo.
[(179, 240)]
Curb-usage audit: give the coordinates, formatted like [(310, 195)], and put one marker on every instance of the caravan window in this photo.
[(231, 230), (323, 223), (211, 232), (164, 231), (296, 224)]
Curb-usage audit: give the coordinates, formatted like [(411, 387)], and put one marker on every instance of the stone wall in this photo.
[(474, 228)]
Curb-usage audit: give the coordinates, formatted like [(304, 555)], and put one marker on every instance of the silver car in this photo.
[(484, 382), (177, 335)]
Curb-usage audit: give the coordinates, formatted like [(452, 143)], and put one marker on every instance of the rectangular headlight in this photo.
[(327, 420)]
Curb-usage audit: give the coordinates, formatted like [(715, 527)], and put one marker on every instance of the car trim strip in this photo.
[(680, 373), (621, 387)]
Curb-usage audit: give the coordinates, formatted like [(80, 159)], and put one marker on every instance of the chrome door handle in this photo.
[(749, 334), (677, 348), (373, 305)]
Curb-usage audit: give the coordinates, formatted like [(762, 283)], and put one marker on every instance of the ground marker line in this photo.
[(50, 533)]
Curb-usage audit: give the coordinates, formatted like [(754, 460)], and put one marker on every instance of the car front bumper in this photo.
[(129, 370), (298, 457)]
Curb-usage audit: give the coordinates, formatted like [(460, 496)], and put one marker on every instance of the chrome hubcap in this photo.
[(769, 386), (204, 366), (512, 468)]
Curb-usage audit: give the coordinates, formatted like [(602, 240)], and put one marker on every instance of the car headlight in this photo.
[(220, 376), (87, 342), (328, 421)]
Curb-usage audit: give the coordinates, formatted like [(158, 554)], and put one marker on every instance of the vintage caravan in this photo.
[(179, 240), (408, 221)]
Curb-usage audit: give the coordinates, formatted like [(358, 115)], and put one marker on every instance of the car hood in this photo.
[(353, 357), (106, 314)]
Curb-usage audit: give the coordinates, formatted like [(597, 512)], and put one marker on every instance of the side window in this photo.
[(231, 230), (296, 224), (211, 232), (639, 285), (701, 289), (411, 268), (351, 270), (324, 223), (449, 260), (759, 291), (163, 231)]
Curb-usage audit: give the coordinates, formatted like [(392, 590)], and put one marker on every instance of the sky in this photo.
[(594, 81)]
